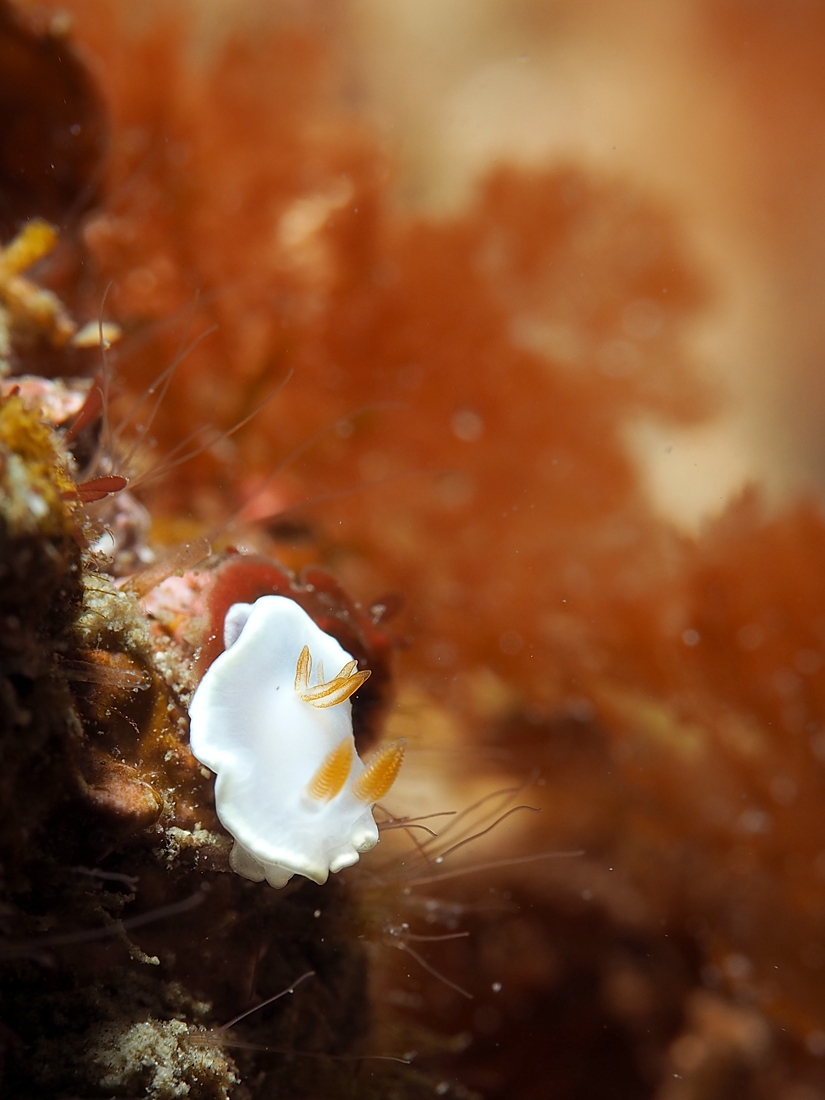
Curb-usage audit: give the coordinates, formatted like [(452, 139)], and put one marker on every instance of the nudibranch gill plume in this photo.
[(290, 786)]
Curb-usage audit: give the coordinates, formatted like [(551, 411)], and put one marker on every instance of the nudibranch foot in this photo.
[(290, 787), (242, 863)]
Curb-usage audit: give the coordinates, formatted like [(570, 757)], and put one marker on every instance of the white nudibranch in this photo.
[(290, 787)]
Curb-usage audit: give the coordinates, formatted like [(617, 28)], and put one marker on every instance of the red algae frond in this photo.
[(36, 475)]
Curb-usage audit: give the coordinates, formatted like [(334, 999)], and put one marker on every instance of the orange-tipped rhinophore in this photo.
[(331, 692)]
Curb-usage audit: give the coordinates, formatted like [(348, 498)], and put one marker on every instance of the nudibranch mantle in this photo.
[(290, 787)]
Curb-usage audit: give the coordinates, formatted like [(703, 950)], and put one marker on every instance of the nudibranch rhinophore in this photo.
[(290, 787)]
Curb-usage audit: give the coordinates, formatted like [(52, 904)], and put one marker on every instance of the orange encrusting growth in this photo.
[(333, 773), (27, 303), (381, 772), (33, 242)]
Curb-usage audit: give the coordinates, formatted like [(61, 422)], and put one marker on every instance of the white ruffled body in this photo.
[(251, 725)]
